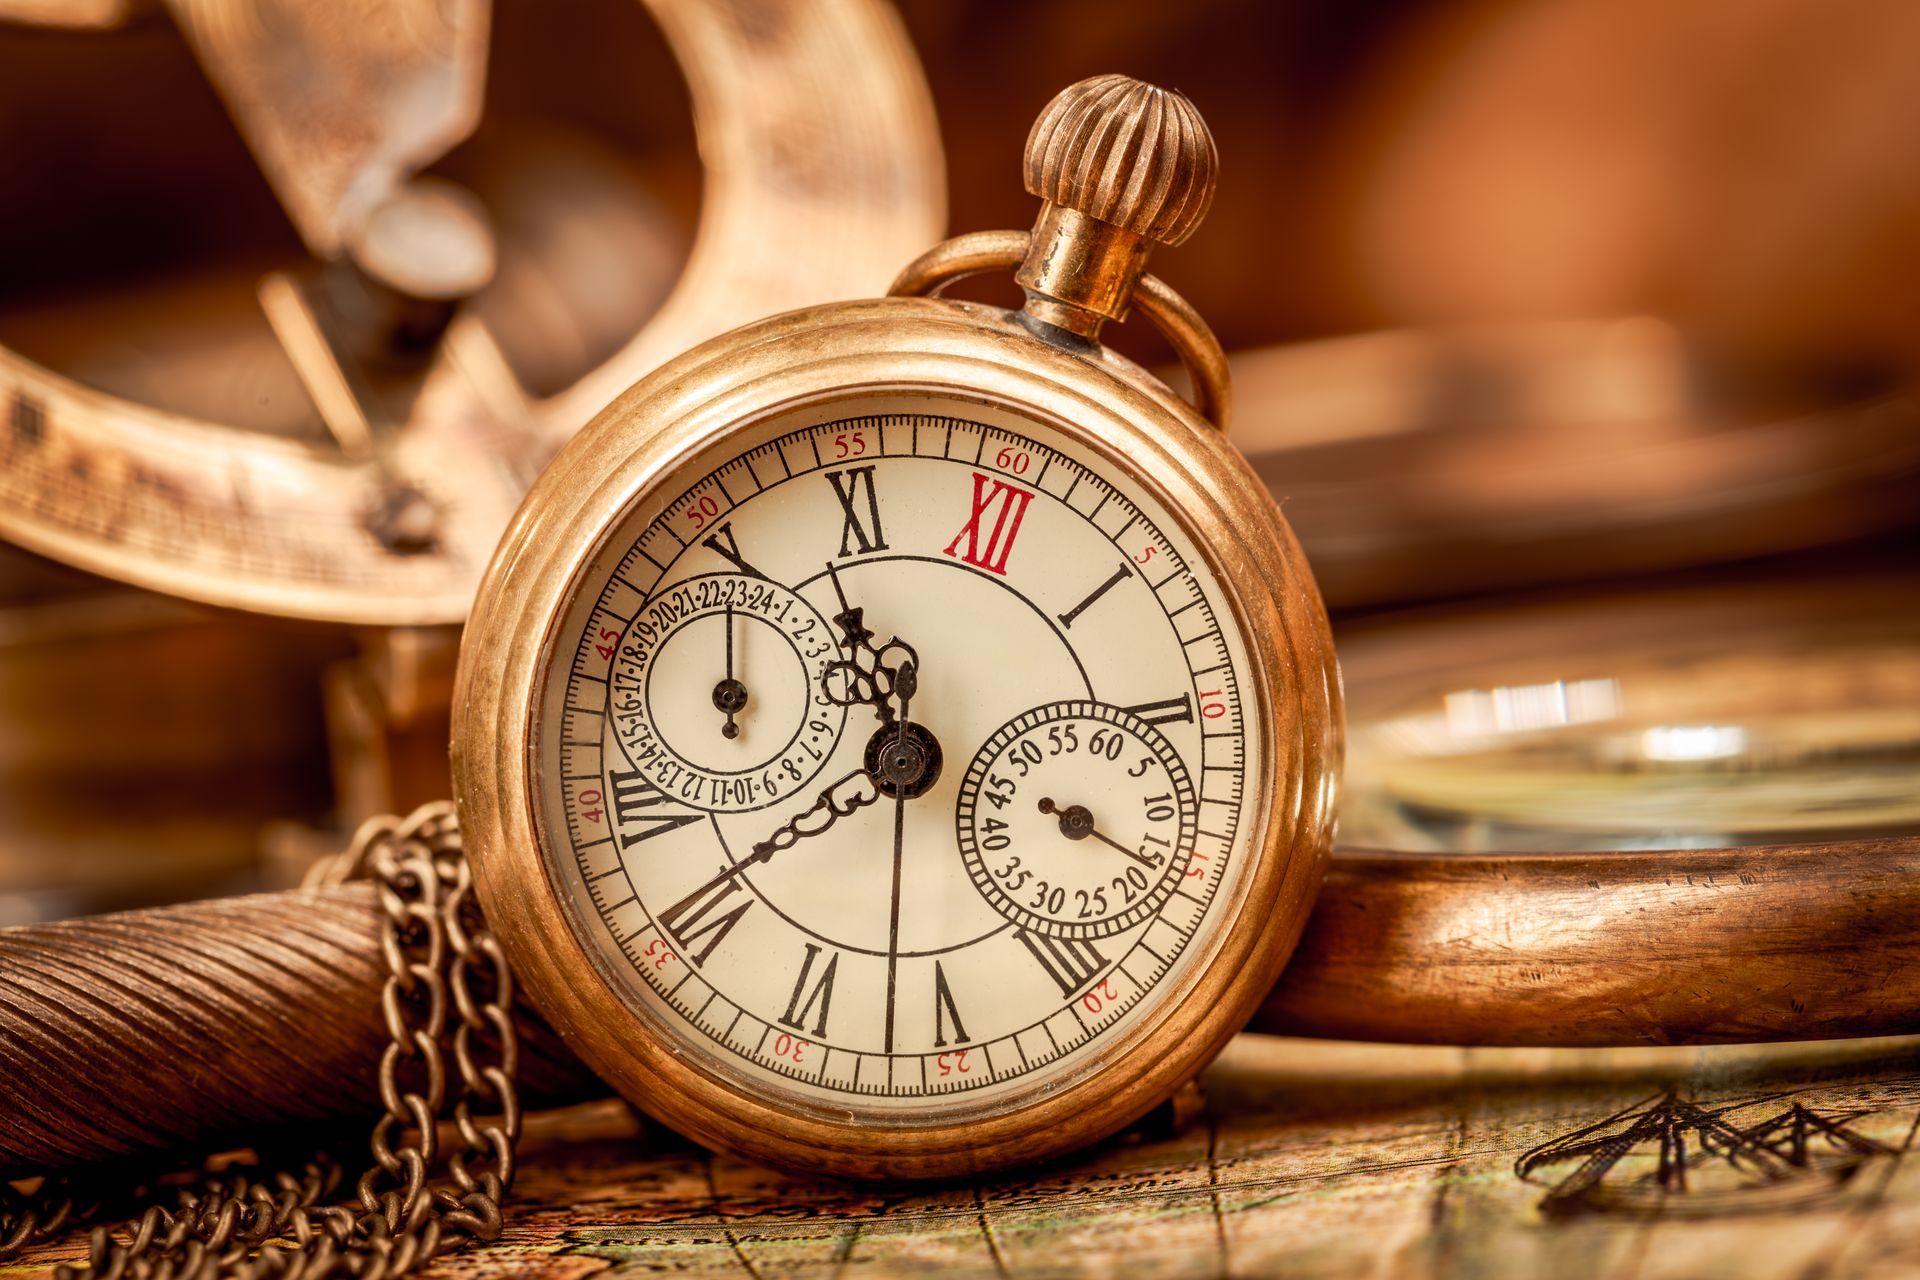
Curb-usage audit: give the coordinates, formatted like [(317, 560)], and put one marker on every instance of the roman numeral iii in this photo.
[(998, 509)]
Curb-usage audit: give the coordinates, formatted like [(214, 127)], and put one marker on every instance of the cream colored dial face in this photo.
[(897, 758)]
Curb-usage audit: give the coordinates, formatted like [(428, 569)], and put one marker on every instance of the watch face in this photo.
[(895, 757)]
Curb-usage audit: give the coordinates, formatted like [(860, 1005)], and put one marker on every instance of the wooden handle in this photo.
[(1801, 942), (204, 1023)]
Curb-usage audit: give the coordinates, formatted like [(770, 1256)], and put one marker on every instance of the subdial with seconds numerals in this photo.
[(1077, 820), (717, 692)]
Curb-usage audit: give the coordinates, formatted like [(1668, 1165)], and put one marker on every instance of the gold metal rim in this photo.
[(1193, 340), (1105, 403)]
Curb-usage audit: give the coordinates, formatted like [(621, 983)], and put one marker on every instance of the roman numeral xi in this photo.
[(860, 508)]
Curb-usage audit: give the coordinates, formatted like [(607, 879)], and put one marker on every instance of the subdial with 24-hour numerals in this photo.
[(717, 692)]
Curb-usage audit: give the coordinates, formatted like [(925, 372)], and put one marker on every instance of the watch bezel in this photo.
[(966, 352)]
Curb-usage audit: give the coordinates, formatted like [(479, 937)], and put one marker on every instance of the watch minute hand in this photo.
[(870, 675)]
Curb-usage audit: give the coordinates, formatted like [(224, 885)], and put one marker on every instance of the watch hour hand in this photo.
[(869, 675), (855, 791)]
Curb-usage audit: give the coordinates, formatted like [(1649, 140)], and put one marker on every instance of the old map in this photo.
[(1312, 1159)]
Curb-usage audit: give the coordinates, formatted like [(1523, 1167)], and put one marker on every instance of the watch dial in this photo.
[(896, 757)]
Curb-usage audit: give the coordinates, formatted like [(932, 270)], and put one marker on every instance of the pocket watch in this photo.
[(901, 737)]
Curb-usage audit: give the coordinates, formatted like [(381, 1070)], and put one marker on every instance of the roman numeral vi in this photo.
[(821, 994)]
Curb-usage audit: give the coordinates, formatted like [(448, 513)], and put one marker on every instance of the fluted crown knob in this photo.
[(1126, 152)]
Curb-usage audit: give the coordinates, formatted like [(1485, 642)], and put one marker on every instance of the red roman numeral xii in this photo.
[(988, 548)]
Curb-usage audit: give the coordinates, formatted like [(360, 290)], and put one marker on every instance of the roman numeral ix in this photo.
[(633, 798)]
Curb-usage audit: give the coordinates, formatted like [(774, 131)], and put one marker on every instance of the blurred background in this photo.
[(1576, 338)]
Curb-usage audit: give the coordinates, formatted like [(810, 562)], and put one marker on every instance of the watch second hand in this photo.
[(905, 684), (1076, 823)]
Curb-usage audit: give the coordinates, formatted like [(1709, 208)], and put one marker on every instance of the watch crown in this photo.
[(1127, 153), (1121, 165)]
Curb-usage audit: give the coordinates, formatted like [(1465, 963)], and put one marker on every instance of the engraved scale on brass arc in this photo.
[(379, 502)]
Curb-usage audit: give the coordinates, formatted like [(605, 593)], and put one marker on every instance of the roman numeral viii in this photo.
[(707, 914), (1070, 963), (989, 546), (860, 506), (633, 799), (820, 994)]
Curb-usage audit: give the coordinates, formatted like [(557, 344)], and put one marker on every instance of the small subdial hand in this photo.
[(730, 696), (1076, 823), (870, 675)]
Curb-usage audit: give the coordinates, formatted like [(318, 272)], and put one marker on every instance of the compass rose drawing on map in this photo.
[(1669, 1157)]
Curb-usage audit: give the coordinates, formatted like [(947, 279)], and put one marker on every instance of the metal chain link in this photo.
[(240, 1220)]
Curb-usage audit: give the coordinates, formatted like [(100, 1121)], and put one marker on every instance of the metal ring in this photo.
[(1193, 341)]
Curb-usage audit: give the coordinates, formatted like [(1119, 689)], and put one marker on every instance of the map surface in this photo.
[(1311, 1159)]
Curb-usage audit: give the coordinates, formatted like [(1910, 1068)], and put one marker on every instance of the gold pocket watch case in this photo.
[(900, 738)]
